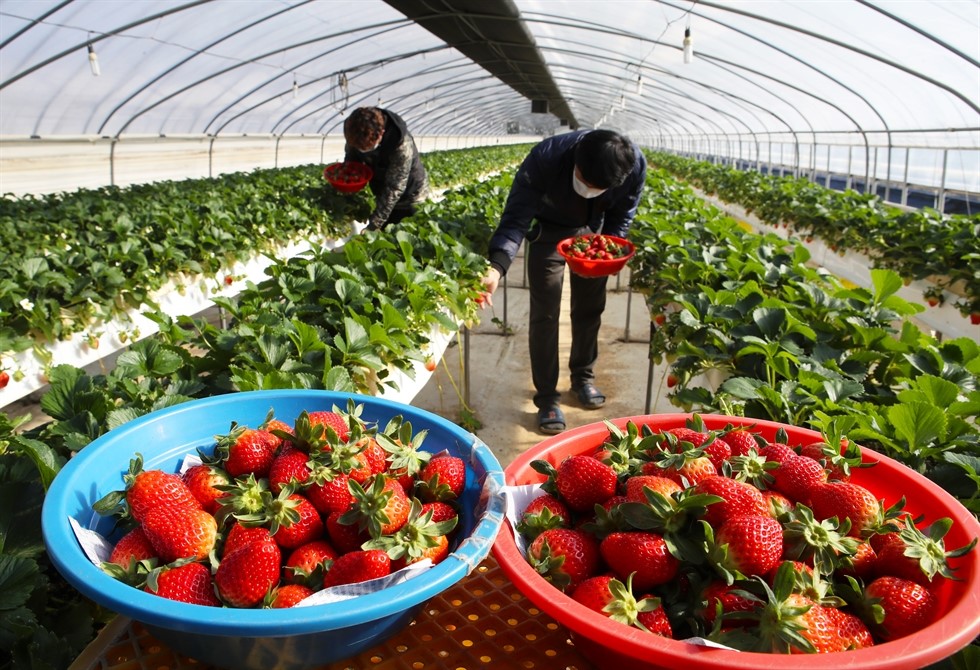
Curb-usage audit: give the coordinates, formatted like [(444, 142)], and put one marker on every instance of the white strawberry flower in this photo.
[(27, 305)]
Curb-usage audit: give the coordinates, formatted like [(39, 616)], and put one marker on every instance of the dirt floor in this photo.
[(500, 389)]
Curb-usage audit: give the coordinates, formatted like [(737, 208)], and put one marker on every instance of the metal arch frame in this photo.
[(34, 22), (189, 58), (369, 65), (98, 38), (361, 68), (919, 75), (221, 72), (592, 26), (658, 81), (370, 92)]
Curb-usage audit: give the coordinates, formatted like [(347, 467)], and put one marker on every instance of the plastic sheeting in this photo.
[(764, 73)]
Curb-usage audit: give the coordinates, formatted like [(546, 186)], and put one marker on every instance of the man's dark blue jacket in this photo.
[(543, 192)]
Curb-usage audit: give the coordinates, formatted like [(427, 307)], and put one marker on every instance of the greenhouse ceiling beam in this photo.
[(925, 33), (476, 28)]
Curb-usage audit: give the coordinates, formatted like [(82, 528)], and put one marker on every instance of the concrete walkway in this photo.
[(500, 376)]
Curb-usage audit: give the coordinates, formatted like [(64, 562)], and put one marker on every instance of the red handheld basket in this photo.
[(348, 177), (588, 267)]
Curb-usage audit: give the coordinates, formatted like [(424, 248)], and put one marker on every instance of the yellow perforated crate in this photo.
[(483, 623)]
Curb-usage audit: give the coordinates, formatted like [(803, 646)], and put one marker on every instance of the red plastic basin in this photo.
[(617, 647), (596, 268), (348, 177)]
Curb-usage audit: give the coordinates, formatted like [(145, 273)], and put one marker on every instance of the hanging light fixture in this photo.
[(639, 84), (295, 87), (688, 45), (93, 61)]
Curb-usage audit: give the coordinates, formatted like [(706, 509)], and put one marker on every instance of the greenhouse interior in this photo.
[(292, 374)]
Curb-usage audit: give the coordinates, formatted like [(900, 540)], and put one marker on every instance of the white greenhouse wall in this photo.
[(40, 166)]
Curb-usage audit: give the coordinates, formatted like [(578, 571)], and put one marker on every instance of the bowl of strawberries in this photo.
[(596, 255), (679, 540), (286, 529), (348, 176)]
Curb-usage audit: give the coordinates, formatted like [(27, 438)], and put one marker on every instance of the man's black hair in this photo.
[(605, 158)]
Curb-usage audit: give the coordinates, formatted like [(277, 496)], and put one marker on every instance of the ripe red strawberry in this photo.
[(289, 466), (420, 538), (189, 583), (750, 545), (328, 490), (239, 535), (288, 595), (796, 477), (686, 469), (442, 478), (343, 536), (375, 454), (741, 441), (180, 533), (293, 520), (849, 630), (564, 556), (863, 563), (202, 481), (641, 554), (777, 451), (778, 505), (358, 566), (308, 563), (731, 601), (908, 607), (280, 429), (430, 364), (132, 548), (718, 452), (738, 499), (583, 481), (917, 555), (331, 421), (662, 485), (541, 514), (4, 379), (146, 490), (244, 451), (847, 500), (974, 319), (380, 509), (612, 598), (440, 511), (246, 574)]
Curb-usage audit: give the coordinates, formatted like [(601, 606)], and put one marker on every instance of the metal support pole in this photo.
[(941, 200), (466, 366), (647, 406), (629, 303)]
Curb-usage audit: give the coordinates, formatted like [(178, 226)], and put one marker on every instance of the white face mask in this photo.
[(586, 191)]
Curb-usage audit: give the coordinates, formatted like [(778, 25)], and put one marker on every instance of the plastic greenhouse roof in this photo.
[(867, 71)]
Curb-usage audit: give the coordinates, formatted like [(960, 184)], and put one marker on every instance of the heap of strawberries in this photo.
[(595, 248), (760, 546), (280, 511)]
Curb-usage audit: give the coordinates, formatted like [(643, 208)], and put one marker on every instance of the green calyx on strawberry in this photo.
[(419, 535), (924, 550), (380, 509), (543, 513), (619, 450), (784, 624), (611, 597), (825, 542), (403, 448), (675, 517), (246, 498), (564, 556)]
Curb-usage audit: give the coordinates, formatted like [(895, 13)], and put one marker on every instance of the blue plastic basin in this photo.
[(241, 639)]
